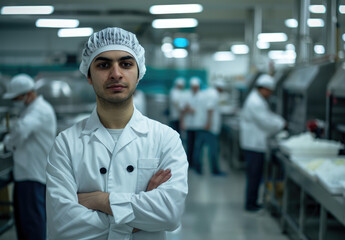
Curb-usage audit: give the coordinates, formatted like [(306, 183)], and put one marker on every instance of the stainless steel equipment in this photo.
[(335, 113), (304, 95)]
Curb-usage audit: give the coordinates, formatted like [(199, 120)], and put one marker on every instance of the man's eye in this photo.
[(103, 65), (127, 64)]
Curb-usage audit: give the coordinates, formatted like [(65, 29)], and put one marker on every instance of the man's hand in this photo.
[(158, 178), (98, 201)]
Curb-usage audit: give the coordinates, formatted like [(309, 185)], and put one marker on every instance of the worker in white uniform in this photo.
[(30, 139), (176, 97), (117, 174), (257, 123), (209, 134), (192, 117)]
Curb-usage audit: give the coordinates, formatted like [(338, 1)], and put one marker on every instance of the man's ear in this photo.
[(89, 80)]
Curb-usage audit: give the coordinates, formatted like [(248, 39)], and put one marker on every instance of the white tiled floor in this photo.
[(214, 211)]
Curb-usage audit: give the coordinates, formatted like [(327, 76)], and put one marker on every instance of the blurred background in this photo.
[(300, 43)]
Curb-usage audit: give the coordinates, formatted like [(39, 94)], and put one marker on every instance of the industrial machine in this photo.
[(335, 108), (304, 95)]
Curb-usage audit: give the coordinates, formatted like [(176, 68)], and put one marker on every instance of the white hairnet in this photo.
[(194, 81), (112, 39), (219, 83), (19, 84), (266, 81)]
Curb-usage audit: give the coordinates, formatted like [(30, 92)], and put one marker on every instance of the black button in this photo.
[(130, 168), (103, 170)]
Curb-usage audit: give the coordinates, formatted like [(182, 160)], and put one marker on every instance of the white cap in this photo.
[(19, 84), (266, 81), (110, 39), (219, 83), (194, 81), (180, 81)]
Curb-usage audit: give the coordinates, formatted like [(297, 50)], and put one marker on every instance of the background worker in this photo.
[(209, 134), (257, 122), (176, 96), (30, 139), (117, 174)]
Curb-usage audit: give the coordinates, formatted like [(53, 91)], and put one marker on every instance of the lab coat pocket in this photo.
[(146, 168)]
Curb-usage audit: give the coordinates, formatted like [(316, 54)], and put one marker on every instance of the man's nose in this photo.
[(116, 72)]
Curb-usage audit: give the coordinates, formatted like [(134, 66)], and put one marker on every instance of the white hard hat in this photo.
[(112, 39), (219, 83), (266, 81), (180, 81), (194, 81), (19, 84)]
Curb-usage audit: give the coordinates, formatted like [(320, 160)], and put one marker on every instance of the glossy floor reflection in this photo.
[(215, 211)]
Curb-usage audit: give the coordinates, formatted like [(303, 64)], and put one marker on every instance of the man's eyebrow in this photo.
[(101, 58)]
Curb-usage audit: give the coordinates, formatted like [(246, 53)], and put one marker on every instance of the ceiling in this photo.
[(222, 22)]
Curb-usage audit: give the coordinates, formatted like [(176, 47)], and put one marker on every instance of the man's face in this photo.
[(114, 76)]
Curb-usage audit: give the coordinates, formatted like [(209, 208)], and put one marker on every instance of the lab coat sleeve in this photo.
[(266, 119), (160, 209), (21, 130), (66, 218)]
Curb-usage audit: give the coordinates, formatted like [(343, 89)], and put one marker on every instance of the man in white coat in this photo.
[(30, 139), (176, 98), (118, 174), (257, 122)]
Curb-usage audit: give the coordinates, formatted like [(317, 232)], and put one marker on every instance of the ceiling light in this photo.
[(175, 23), (223, 56), (57, 23), (240, 49), (279, 54), (181, 42), (319, 49), (166, 47), (317, 9), (176, 8), (179, 53), (315, 22), (342, 9), (37, 10), (262, 45), (344, 36), (272, 37), (290, 46), (291, 23), (75, 32)]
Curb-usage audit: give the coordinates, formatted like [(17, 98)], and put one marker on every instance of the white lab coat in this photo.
[(74, 167), (30, 139), (212, 103), (197, 101), (257, 122), (176, 98)]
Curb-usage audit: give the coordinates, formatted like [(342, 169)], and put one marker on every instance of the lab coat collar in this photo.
[(136, 125)]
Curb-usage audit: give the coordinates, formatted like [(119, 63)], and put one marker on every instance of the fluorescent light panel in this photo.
[(167, 47), (263, 45), (315, 22), (319, 49), (317, 9), (175, 23), (176, 9), (272, 37), (223, 56), (240, 49), (75, 32), (179, 53), (291, 23), (27, 10), (342, 9), (57, 23)]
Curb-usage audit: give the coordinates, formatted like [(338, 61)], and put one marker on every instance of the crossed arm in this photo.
[(99, 201)]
